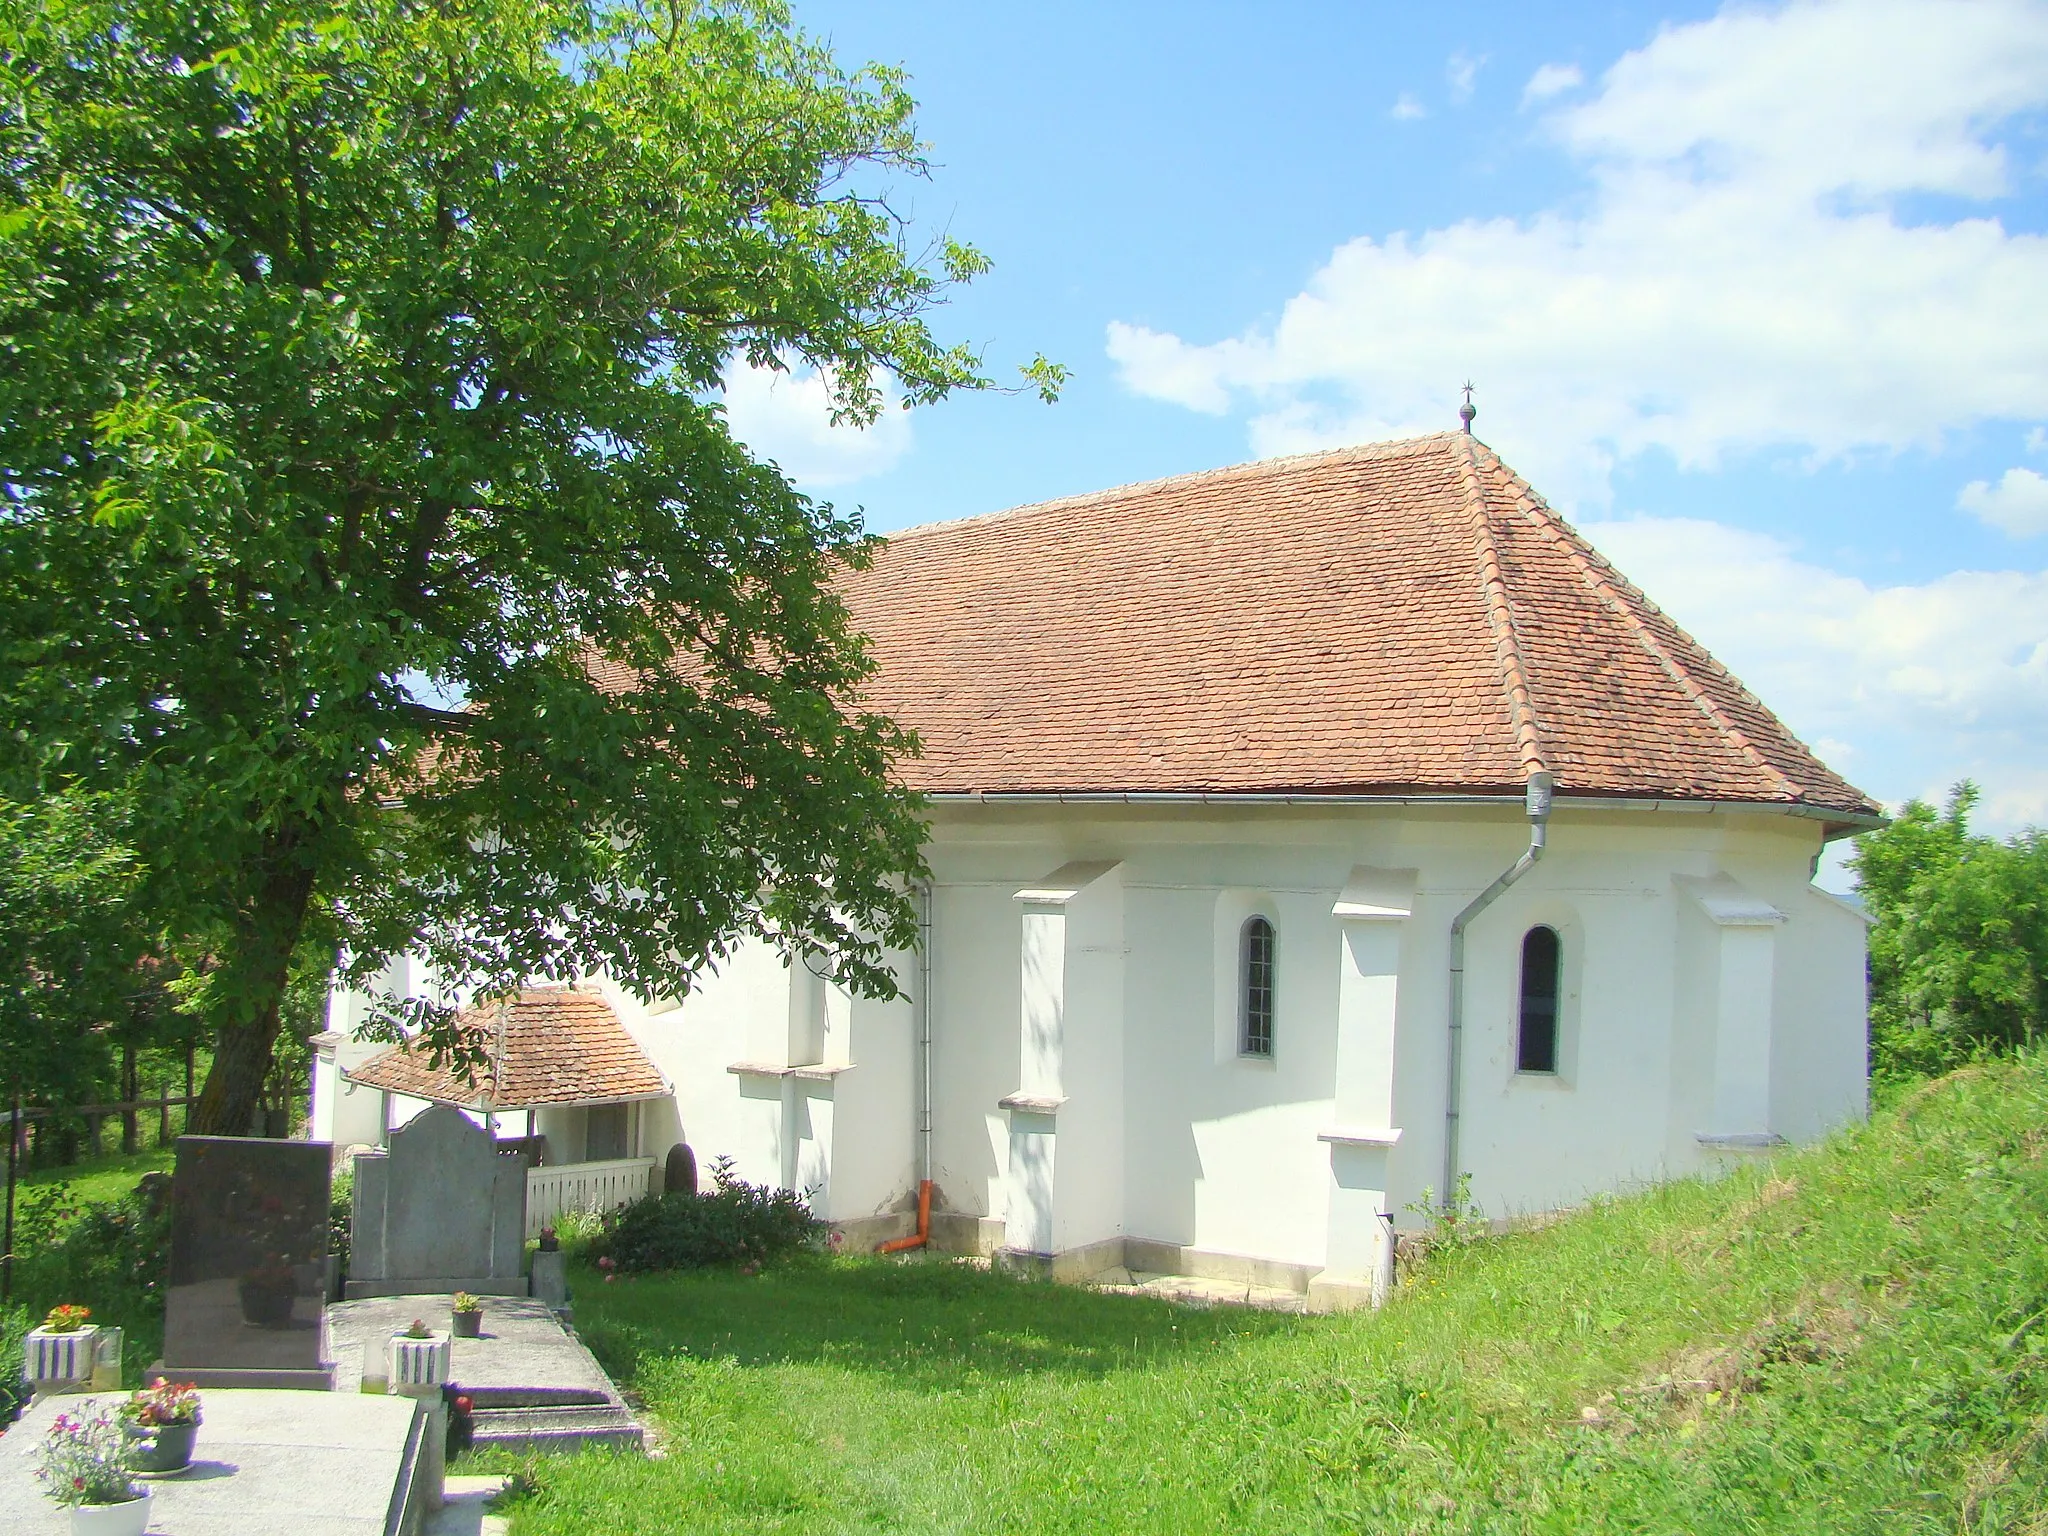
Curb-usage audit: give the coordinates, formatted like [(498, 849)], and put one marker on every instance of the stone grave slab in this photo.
[(246, 1300), (440, 1210), (308, 1463), (534, 1384)]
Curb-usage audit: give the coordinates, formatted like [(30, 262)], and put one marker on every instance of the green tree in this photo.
[(1959, 948), (369, 511), (69, 943)]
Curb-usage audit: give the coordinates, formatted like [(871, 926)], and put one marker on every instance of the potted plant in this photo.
[(419, 1360), (162, 1421), (59, 1355), (469, 1315), (84, 1464)]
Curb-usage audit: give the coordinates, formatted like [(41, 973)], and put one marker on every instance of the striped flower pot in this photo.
[(60, 1362), (419, 1367)]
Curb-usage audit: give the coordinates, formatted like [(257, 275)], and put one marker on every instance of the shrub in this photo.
[(341, 1211), (579, 1232), (15, 1323), (733, 1223), (110, 1255)]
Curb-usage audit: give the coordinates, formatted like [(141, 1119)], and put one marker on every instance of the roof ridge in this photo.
[(1499, 615), (1249, 467), (1596, 572)]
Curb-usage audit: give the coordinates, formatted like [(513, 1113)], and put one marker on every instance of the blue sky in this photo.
[(1757, 295)]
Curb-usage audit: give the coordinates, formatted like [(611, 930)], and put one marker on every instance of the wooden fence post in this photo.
[(131, 1090)]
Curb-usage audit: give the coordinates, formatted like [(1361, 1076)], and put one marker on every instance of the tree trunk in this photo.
[(251, 984)]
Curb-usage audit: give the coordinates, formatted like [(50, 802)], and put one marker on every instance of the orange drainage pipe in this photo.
[(923, 1234)]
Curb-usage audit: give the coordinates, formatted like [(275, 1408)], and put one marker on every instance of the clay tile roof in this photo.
[(550, 1045), (1401, 618)]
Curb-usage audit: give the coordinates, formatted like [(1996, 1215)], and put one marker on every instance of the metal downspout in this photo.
[(921, 1009), (1537, 800), (924, 1033)]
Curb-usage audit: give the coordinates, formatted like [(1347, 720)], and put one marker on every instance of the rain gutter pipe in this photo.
[(1536, 798), (921, 1007)]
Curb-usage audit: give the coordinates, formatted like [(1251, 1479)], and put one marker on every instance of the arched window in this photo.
[(1256, 950), (1537, 1048)]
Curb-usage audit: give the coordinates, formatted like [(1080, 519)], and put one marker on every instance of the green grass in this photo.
[(1852, 1339), (102, 1178)]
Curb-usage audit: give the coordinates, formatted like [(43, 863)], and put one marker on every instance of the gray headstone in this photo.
[(246, 1298), (440, 1210), (551, 1279)]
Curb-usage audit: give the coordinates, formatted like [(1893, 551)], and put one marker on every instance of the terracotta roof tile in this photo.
[(550, 1045), (1403, 617)]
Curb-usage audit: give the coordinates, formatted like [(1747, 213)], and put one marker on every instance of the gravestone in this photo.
[(679, 1172), (246, 1304), (440, 1210)]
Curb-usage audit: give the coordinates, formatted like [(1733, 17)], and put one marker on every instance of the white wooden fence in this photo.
[(583, 1187)]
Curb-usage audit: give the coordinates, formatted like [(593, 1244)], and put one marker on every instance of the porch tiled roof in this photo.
[(548, 1045)]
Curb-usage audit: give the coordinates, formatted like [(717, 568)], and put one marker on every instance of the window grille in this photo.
[(1256, 952), (1536, 1049)]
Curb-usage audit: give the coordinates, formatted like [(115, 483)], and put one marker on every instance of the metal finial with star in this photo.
[(1468, 410)]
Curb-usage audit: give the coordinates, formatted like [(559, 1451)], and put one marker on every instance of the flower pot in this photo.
[(268, 1303), (158, 1449), (419, 1367), (59, 1362), (468, 1324), (127, 1519)]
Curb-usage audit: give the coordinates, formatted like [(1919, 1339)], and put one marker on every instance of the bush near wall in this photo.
[(732, 1223)]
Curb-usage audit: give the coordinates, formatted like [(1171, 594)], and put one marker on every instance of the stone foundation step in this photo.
[(556, 1427)]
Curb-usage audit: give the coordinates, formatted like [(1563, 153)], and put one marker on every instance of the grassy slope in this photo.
[(1851, 1340)]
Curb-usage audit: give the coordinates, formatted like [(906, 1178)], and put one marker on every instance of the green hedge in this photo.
[(732, 1223)]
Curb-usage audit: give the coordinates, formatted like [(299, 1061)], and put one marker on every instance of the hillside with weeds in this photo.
[(1849, 1338)]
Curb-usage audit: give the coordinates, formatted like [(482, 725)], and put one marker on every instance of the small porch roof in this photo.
[(548, 1046)]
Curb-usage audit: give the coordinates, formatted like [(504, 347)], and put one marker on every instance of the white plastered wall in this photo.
[(1225, 1154)]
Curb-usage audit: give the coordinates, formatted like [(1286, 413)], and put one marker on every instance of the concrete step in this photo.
[(557, 1427), (534, 1397)]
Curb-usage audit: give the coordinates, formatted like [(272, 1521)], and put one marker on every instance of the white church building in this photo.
[(1304, 837)]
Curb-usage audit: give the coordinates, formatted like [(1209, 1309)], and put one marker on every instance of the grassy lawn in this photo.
[(1853, 1339), (101, 1178)]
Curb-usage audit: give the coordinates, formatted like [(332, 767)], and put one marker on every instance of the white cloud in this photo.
[(1407, 108), (2037, 440), (1552, 80), (787, 417), (1931, 682), (1736, 276), (2017, 505), (1461, 74)]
